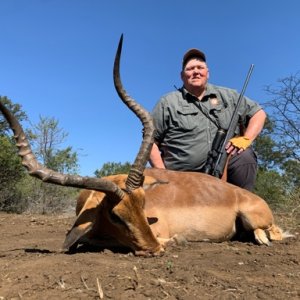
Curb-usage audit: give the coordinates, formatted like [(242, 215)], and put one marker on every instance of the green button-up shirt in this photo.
[(186, 127)]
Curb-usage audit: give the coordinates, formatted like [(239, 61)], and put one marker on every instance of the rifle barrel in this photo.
[(221, 159)]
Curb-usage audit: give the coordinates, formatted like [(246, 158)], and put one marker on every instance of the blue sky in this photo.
[(56, 59)]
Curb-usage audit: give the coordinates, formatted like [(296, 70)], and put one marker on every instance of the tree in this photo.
[(10, 164), (19, 191), (16, 109), (46, 137), (11, 170), (111, 168), (269, 156), (278, 146), (284, 109), (11, 173)]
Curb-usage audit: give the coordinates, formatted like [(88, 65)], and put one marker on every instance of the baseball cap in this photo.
[(192, 53)]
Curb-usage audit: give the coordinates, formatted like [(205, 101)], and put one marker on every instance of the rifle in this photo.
[(217, 156)]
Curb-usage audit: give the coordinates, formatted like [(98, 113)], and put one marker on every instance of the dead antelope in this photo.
[(148, 208)]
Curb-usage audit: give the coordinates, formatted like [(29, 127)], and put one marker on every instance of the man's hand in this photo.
[(237, 145)]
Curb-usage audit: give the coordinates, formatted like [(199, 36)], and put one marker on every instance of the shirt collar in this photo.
[(208, 92)]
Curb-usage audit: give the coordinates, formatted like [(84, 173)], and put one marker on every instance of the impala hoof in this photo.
[(261, 237)]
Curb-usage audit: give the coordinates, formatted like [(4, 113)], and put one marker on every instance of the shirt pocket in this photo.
[(223, 118), (187, 118)]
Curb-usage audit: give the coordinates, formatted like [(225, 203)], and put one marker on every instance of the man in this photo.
[(187, 120)]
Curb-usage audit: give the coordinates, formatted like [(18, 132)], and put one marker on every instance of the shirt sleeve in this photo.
[(248, 108), (160, 119)]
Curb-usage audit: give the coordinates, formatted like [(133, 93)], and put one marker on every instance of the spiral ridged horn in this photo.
[(135, 177)]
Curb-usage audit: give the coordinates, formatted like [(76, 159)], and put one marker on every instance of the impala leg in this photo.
[(275, 233), (165, 242), (256, 216), (174, 240), (261, 237), (264, 234)]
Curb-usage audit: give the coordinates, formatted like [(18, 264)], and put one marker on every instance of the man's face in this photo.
[(195, 75)]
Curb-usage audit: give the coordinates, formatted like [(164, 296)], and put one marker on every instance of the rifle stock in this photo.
[(217, 156)]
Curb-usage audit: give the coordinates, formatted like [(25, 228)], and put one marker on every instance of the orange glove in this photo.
[(240, 142)]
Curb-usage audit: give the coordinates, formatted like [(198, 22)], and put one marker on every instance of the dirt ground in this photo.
[(32, 267)]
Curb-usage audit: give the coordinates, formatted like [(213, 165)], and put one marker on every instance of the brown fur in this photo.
[(194, 206)]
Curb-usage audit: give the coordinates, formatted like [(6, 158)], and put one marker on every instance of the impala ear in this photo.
[(83, 224), (150, 182), (75, 234)]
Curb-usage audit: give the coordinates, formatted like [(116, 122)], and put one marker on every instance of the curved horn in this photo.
[(47, 175), (135, 177)]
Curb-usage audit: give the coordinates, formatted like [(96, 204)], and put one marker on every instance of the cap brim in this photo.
[(193, 53)]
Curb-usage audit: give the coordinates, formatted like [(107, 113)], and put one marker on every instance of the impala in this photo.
[(149, 208)]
